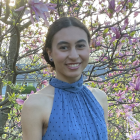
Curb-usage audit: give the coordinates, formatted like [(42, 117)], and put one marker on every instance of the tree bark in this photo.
[(11, 77)]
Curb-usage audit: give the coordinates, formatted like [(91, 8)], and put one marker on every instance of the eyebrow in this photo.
[(64, 42)]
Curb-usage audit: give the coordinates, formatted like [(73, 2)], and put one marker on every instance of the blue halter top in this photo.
[(76, 114)]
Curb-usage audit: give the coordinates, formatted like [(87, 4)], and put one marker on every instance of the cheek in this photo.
[(59, 56), (85, 55)]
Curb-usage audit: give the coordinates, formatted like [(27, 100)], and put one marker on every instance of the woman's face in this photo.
[(70, 53)]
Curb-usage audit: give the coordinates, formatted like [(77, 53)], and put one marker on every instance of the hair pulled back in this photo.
[(63, 22)]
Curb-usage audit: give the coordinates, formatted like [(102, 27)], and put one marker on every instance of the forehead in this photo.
[(70, 34)]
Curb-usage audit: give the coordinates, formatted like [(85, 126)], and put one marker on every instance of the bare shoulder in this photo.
[(100, 96), (103, 101), (31, 116), (40, 97), (33, 111), (100, 93)]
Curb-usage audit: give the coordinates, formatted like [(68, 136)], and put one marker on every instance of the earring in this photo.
[(51, 59)]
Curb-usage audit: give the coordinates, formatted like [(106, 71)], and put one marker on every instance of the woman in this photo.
[(66, 109)]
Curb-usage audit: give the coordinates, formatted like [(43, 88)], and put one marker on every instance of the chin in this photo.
[(73, 74)]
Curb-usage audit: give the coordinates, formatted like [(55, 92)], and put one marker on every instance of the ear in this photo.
[(49, 52)]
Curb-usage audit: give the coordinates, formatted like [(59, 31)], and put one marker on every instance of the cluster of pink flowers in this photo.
[(40, 9)]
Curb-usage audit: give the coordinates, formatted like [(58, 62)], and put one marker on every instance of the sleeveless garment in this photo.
[(76, 114)]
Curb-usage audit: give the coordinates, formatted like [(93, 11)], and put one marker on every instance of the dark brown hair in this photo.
[(63, 22)]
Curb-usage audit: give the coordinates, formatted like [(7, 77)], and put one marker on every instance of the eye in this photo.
[(81, 46), (63, 47)]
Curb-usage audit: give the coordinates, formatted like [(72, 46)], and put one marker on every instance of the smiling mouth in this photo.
[(74, 63), (73, 66)]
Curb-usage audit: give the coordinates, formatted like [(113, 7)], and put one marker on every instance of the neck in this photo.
[(69, 80)]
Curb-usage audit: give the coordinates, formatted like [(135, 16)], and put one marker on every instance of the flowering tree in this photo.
[(19, 42), (115, 54)]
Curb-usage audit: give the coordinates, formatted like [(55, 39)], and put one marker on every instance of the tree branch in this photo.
[(4, 102), (28, 53), (7, 12), (26, 25), (108, 26), (17, 48), (32, 70)]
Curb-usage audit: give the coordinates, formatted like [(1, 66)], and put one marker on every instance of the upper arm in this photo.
[(105, 107), (31, 120), (103, 100)]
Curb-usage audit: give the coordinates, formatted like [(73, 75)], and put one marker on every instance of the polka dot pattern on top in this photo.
[(76, 114)]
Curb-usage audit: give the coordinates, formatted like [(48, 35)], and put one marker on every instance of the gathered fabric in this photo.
[(76, 114)]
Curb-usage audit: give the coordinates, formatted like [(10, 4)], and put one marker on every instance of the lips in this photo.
[(73, 63), (73, 66)]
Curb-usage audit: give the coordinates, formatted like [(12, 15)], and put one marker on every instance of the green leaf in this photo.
[(15, 14), (130, 97), (93, 85), (37, 25), (14, 22), (9, 82), (133, 60), (130, 5), (110, 11), (123, 41), (106, 30), (52, 19), (90, 6), (132, 33)]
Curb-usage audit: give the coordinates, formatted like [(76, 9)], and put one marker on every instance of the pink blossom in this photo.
[(98, 43), (128, 114), (110, 74), (120, 54), (27, 96), (136, 14), (103, 58), (125, 24), (1, 97), (135, 62), (37, 89), (96, 59), (109, 83), (136, 85), (45, 82), (134, 136), (45, 72), (112, 39), (110, 114), (127, 107), (115, 85), (132, 105), (138, 69), (105, 89), (20, 101), (32, 92), (119, 112), (111, 8), (40, 9), (120, 46), (116, 31), (112, 5), (118, 8), (20, 9), (121, 95), (110, 104)]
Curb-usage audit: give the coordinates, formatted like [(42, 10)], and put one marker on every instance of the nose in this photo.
[(73, 54)]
